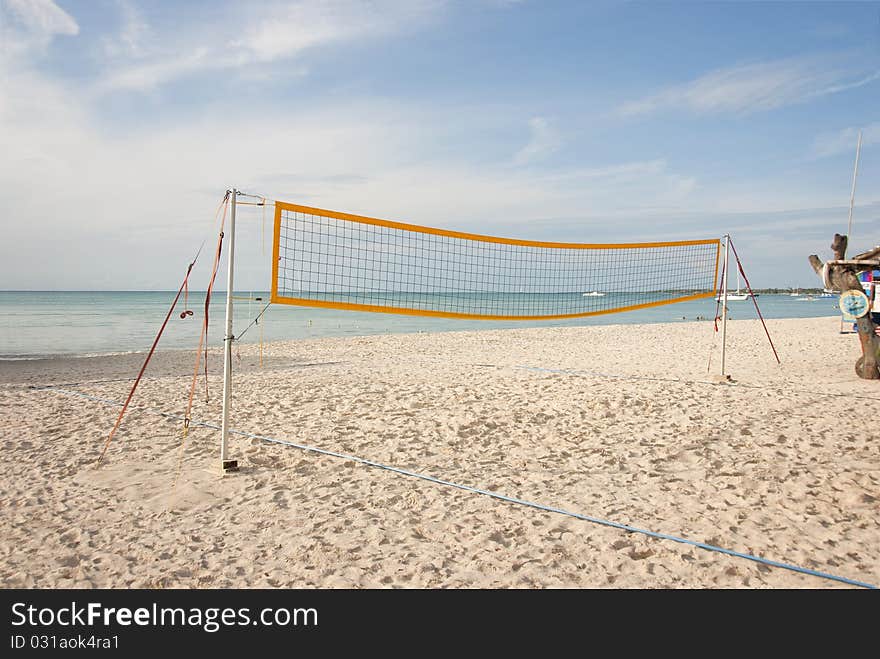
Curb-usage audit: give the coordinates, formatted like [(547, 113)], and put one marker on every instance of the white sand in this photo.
[(772, 466)]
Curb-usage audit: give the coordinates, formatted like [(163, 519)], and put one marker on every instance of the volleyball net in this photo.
[(336, 260)]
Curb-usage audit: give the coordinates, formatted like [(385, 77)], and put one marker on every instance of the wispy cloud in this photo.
[(543, 141), (159, 70), (133, 36), (619, 171), (76, 181), (283, 32), (366, 156), (755, 87), (28, 26), (845, 140), (648, 185), (42, 16), (290, 29)]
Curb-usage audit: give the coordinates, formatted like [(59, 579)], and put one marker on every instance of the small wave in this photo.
[(79, 355)]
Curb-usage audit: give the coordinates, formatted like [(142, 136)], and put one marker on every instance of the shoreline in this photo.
[(489, 327), (253, 344)]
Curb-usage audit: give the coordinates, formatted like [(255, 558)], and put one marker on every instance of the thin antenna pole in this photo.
[(227, 465), (852, 194), (724, 305)]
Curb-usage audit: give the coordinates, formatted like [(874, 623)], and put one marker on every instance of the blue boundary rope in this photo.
[(489, 493)]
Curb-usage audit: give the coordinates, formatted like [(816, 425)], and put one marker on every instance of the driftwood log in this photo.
[(845, 277)]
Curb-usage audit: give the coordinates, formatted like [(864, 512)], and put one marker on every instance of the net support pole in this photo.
[(724, 375), (227, 465)]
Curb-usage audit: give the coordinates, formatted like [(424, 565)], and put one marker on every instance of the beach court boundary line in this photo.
[(475, 490)]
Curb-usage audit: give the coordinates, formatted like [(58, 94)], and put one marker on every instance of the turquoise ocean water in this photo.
[(45, 324)]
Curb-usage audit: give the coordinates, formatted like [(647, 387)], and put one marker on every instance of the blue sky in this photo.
[(124, 121)]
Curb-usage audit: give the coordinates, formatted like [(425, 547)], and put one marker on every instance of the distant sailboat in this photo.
[(738, 296)]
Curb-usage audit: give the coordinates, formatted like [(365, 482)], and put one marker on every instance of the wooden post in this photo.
[(843, 275)]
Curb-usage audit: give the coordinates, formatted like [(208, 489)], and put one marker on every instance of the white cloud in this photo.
[(283, 31), (845, 140), (160, 70), (289, 29), (135, 204), (543, 141), (42, 17), (623, 171), (27, 27), (124, 209), (754, 87), (133, 35)]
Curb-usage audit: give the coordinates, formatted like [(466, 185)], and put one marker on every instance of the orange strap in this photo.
[(203, 336), (147, 360), (184, 286)]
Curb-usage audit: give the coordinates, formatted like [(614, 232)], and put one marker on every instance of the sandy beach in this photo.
[(618, 422)]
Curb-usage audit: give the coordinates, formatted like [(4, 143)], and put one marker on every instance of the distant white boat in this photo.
[(594, 294), (734, 297), (738, 296)]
